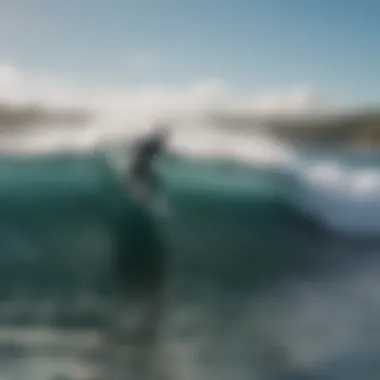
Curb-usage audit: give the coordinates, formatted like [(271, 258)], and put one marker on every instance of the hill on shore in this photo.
[(360, 128), (24, 116)]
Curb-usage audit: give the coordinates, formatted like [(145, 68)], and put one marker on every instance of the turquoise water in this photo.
[(253, 289)]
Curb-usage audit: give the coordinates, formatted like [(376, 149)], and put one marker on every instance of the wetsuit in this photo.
[(146, 151)]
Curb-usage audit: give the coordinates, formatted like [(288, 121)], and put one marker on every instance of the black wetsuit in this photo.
[(146, 151)]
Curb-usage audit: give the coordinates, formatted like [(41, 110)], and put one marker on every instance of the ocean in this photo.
[(263, 265)]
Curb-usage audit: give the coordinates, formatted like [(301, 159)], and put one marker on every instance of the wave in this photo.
[(339, 189), (341, 192)]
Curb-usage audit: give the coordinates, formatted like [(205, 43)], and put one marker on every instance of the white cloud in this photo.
[(297, 101), (20, 87), (124, 112), (8, 75)]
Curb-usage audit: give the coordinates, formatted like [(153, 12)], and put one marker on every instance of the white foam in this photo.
[(202, 140), (345, 199)]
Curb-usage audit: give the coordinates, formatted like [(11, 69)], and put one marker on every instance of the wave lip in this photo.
[(343, 198)]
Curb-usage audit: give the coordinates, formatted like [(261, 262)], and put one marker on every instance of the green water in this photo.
[(224, 220), (232, 255), (64, 222)]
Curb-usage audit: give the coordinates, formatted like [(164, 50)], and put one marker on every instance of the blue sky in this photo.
[(253, 45)]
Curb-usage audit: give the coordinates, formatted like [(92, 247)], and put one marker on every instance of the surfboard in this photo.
[(154, 200)]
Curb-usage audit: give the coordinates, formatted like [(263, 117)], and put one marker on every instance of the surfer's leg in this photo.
[(132, 339)]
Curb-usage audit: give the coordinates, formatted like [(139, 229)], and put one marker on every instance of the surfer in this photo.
[(146, 151)]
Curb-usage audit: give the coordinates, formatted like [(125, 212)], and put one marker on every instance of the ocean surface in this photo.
[(262, 269)]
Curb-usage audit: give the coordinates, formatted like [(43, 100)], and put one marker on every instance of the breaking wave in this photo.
[(338, 188)]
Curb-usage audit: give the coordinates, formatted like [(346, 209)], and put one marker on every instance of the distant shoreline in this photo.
[(357, 130), (23, 116)]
